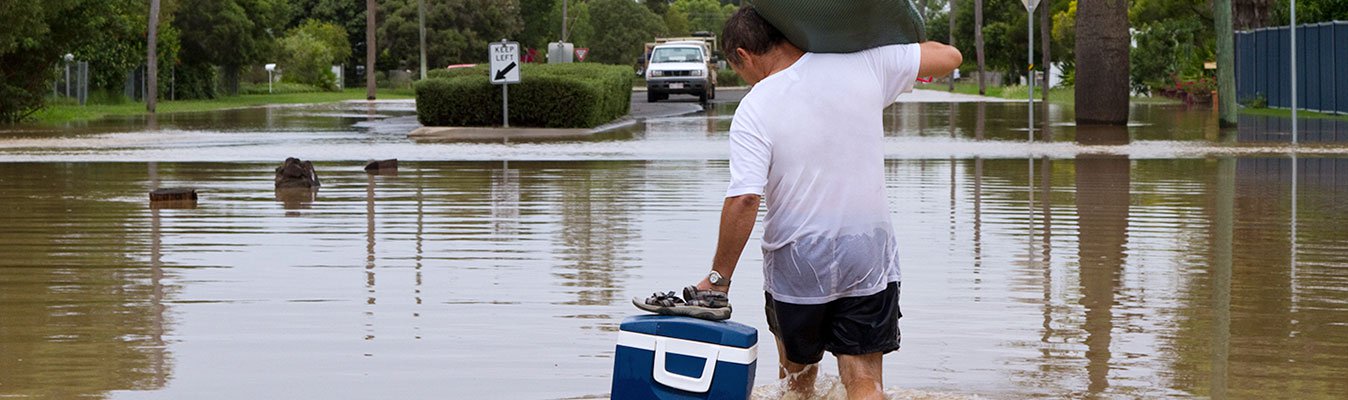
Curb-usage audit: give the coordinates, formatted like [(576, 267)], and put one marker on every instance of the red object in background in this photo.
[(530, 55), (924, 80), (581, 53)]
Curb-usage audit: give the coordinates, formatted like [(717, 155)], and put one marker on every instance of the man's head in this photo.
[(753, 46)]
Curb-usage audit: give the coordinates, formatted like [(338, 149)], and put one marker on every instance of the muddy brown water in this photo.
[(1185, 263)]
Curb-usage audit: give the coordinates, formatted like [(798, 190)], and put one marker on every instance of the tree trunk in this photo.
[(1250, 14), (1226, 63), (978, 44), (1102, 62), (1044, 47), (152, 59), (370, 48), (951, 18)]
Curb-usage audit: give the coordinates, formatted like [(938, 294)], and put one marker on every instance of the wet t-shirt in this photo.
[(809, 140)]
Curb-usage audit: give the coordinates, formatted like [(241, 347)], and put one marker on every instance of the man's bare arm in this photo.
[(938, 59), (738, 216)]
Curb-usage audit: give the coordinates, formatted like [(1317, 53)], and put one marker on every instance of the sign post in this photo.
[(505, 70), (1029, 81)]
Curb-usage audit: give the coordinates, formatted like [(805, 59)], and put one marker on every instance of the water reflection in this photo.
[(1102, 201), (1093, 276)]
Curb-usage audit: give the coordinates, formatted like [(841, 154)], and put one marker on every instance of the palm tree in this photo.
[(1102, 62), (978, 43), (152, 59), (369, 48)]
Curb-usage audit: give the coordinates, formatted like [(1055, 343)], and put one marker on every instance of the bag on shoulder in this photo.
[(844, 26)]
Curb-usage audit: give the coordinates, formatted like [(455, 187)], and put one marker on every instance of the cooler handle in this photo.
[(706, 351)]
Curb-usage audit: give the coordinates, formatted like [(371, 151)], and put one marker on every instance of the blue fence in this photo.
[(1263, 66)]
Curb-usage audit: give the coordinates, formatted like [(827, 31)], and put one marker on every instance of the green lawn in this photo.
[(66, 112), (1059, 95)]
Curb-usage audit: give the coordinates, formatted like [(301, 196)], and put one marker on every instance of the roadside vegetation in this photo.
[(67, 111)]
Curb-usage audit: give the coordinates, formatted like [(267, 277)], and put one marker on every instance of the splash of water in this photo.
[(829, 387)]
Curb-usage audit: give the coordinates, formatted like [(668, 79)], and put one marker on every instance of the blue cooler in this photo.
[(663, 357)]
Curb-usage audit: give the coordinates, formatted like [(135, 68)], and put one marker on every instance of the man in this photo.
[(809, 136)]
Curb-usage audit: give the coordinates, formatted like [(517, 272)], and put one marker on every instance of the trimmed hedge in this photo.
[(577, 95)]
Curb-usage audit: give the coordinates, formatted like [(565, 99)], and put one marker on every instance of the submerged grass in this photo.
[(67, 112), (1285, 113)]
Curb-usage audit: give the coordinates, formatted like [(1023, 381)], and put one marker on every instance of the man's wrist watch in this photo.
[(717, 280)]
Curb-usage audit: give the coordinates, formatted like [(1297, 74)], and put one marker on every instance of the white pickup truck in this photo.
[(681, 67)]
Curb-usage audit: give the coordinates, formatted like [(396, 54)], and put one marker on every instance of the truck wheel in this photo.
[(652, 97), (702, 97)]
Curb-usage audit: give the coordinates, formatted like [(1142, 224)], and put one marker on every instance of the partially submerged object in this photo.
[(830, 26), (295, 173)]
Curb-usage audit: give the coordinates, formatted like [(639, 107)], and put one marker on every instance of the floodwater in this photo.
[(1173, 260)]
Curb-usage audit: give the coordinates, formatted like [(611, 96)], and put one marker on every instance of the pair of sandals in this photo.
[(701, 304)]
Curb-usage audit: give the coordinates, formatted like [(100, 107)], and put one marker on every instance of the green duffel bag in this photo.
[(844, 26)]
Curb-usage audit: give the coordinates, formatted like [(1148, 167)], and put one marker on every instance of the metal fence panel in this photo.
[(1325, 80), (1311, 57), (1341, 66)]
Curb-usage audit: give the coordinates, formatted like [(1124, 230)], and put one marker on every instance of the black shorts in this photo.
[(850, 325)]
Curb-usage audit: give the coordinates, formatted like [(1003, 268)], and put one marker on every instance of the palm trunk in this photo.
[(152, 59), (1102, 62), (1226, 62), (978, 44), (370, 48)]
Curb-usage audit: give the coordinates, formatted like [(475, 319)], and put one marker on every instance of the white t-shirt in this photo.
[(809, 139)]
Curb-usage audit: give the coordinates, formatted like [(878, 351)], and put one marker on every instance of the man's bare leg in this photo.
[(799, 377), (862, 376)]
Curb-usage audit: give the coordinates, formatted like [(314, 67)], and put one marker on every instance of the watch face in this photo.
[(715, 278)]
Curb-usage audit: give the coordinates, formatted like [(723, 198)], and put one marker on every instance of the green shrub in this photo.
[(579, 95), (278, 88), (727, 78)]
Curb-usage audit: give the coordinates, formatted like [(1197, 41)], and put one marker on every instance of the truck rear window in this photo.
[(676, 54)]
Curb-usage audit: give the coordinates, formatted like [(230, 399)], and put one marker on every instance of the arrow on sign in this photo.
[(502, 73)]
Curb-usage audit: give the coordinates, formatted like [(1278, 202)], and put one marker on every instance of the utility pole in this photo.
[(978, 44), (152, 59), (421, 16), (950, 17), (564, 33), (369, 49), (1294, 71)]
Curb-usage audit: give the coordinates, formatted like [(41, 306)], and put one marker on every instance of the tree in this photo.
[(536, 32), (457, 31), (703, 15), (627, 27), (350, 15), (309, 50), (229, 33), (38, 33), (579, 30), (1102, 62)]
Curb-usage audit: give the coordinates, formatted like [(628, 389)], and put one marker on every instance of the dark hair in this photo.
[(747, 30)]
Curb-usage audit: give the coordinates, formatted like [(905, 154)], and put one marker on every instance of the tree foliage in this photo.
[(627, 27), (35, 37), (309, 51), (230, 33), (457, 31), (703, 15)]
